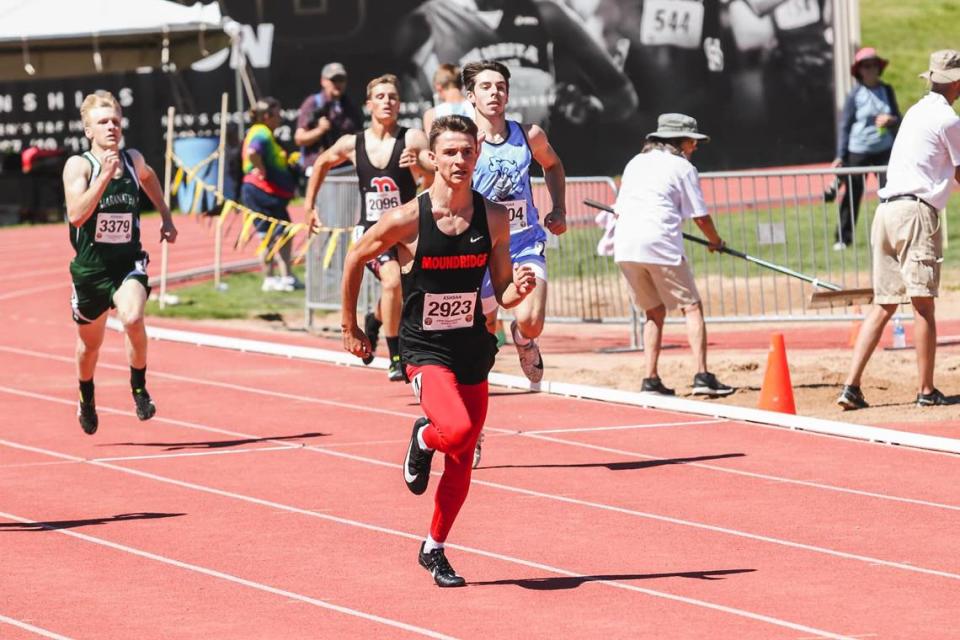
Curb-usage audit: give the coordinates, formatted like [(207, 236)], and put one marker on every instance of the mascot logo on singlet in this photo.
[(385, 183), (507, 178)]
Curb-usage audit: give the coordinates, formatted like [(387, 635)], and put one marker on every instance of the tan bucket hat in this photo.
[(677, 125), (944, 67)]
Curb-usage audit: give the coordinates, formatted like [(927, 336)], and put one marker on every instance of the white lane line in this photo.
[(26, 275), (532, 434), (32, 629), (746, 474), (190, 454), (226, 385), (16, 465), (259, 586), (869, 560), (411, 536), (628, 427), (25, 292)]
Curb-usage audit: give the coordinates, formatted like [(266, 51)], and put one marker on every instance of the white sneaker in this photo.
[(290, 283), (839, 246), (530, 360), (285, 284), (270, 283)]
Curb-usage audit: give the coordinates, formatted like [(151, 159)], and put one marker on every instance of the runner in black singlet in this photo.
[(445, 240), (388, 161)]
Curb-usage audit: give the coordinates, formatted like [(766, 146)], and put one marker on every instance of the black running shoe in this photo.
[(371, 327), (145, 407), (655, 385), (851, 397), (439, 567), (416, 466), (87, 414), (932, 399), (706, 384), (395, 372)]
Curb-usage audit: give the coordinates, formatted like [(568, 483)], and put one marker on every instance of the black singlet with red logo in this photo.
[(382, 189), (442, 322)]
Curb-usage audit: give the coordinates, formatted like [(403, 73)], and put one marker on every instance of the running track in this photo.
[(265, 501)]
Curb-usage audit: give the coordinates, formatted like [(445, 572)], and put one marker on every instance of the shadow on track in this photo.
[(213, 444), (618, 466), (563, 582), (53, 525)]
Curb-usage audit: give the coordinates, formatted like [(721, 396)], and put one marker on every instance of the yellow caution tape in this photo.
[(266, 238)]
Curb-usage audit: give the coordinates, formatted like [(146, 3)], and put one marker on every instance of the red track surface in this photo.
[(265, 501)]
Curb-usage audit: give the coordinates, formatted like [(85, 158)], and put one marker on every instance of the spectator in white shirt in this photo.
[(907, 235), (659, 190)]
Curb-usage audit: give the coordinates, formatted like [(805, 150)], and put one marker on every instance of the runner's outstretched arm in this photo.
[(553, 175), (396, 227), (342, 150), (510, 284), (82, 199), (151, 186)]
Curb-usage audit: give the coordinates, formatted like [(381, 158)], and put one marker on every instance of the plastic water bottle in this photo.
[(899, 335)]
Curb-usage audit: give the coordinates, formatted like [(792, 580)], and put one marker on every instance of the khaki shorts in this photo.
[(907, 241), (656, 284)]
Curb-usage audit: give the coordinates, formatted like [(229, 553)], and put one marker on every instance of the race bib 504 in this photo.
[(518, 214), (114, 228)]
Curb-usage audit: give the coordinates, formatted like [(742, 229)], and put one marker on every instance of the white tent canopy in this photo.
[(66, 38)]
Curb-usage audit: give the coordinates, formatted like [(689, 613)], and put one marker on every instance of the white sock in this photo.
[(520, 339), (430, 544), (423, 445)]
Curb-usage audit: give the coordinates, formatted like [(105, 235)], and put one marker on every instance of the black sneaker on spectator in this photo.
[(655, 385), (87, 415), (371, 327), (851, 397), (416, 464), (932, 399), (439, 567), (706, 384)]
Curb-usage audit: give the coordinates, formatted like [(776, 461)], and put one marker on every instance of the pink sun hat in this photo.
[(864, 54)]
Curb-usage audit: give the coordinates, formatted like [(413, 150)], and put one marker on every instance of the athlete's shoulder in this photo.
[(493, 208), (77, 165), (414, 137), (407, 211), (533, 131)]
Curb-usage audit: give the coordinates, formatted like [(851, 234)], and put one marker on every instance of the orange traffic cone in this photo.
[(776, 394)]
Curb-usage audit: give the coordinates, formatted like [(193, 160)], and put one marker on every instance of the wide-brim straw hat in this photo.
[(677, 125)]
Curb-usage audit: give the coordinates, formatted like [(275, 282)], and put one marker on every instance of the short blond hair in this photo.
[(97, 99), (387, 78)]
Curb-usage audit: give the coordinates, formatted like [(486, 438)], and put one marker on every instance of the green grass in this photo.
[(241, 299), (906, 32)]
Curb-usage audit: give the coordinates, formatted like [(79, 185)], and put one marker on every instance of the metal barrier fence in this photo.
[(788, 217), (781, 216), (583, 285)]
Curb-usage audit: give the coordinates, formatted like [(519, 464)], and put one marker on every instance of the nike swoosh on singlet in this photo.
[(477, 239)]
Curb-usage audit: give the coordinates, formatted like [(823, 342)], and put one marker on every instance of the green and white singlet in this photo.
[(111, 236)]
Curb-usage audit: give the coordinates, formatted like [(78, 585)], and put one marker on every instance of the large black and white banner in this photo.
[(757, 74)]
